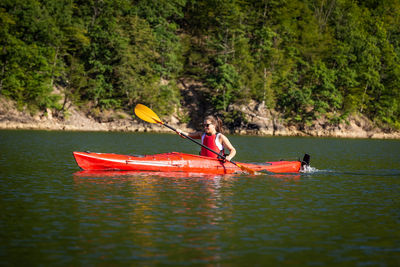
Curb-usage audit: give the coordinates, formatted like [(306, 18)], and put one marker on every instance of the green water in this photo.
[(344, 212)]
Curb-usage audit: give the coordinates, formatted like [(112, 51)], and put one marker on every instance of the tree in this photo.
[(26, 56)]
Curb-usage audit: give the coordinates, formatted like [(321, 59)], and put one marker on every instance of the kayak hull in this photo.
[(174, 162)]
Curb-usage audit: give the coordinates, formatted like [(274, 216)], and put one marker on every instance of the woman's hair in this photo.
[(217, 122)]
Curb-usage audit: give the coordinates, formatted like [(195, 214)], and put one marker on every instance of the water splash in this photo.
[(309, 169)]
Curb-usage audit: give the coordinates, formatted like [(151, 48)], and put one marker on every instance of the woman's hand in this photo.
[(181, 133)]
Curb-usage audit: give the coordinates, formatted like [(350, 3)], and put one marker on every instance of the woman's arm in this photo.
[(226, 143), (194, 135)]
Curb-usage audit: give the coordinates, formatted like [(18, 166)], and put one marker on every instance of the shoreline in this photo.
[(268, 124), (140, 127)]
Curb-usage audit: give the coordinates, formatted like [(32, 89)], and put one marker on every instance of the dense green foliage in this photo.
[(306, 58)]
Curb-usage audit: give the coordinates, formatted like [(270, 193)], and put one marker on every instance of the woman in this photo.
[(213, 138)]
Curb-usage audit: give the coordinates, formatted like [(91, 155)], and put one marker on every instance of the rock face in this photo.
[(76, 120), (259, 121)]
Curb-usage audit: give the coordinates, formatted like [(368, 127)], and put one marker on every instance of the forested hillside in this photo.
[(303, 58)]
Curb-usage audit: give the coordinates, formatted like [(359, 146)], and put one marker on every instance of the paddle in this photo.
[(148, 115)]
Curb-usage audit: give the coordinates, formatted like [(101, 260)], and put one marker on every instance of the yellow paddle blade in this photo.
[(251, 171), (147, 114)]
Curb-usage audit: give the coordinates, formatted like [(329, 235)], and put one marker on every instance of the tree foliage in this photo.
[(305, 58)]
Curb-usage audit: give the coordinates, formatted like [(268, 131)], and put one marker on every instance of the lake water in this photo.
[(345, 211)]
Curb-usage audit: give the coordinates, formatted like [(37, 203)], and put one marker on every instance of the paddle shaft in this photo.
[(191, 139)]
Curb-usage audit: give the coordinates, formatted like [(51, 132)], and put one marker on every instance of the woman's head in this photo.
[(210, 122)]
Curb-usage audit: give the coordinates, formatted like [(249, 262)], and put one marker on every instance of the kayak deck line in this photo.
[(150, 163)]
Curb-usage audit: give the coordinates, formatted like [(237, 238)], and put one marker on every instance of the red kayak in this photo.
[(177, 162)]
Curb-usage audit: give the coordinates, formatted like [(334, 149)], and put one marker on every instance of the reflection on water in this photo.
[(203, 219), (165, 210), (126, 174)]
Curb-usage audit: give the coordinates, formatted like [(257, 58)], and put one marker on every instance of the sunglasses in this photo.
[(207, 124)]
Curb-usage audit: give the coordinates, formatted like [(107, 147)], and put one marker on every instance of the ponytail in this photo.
[(219, 126)]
